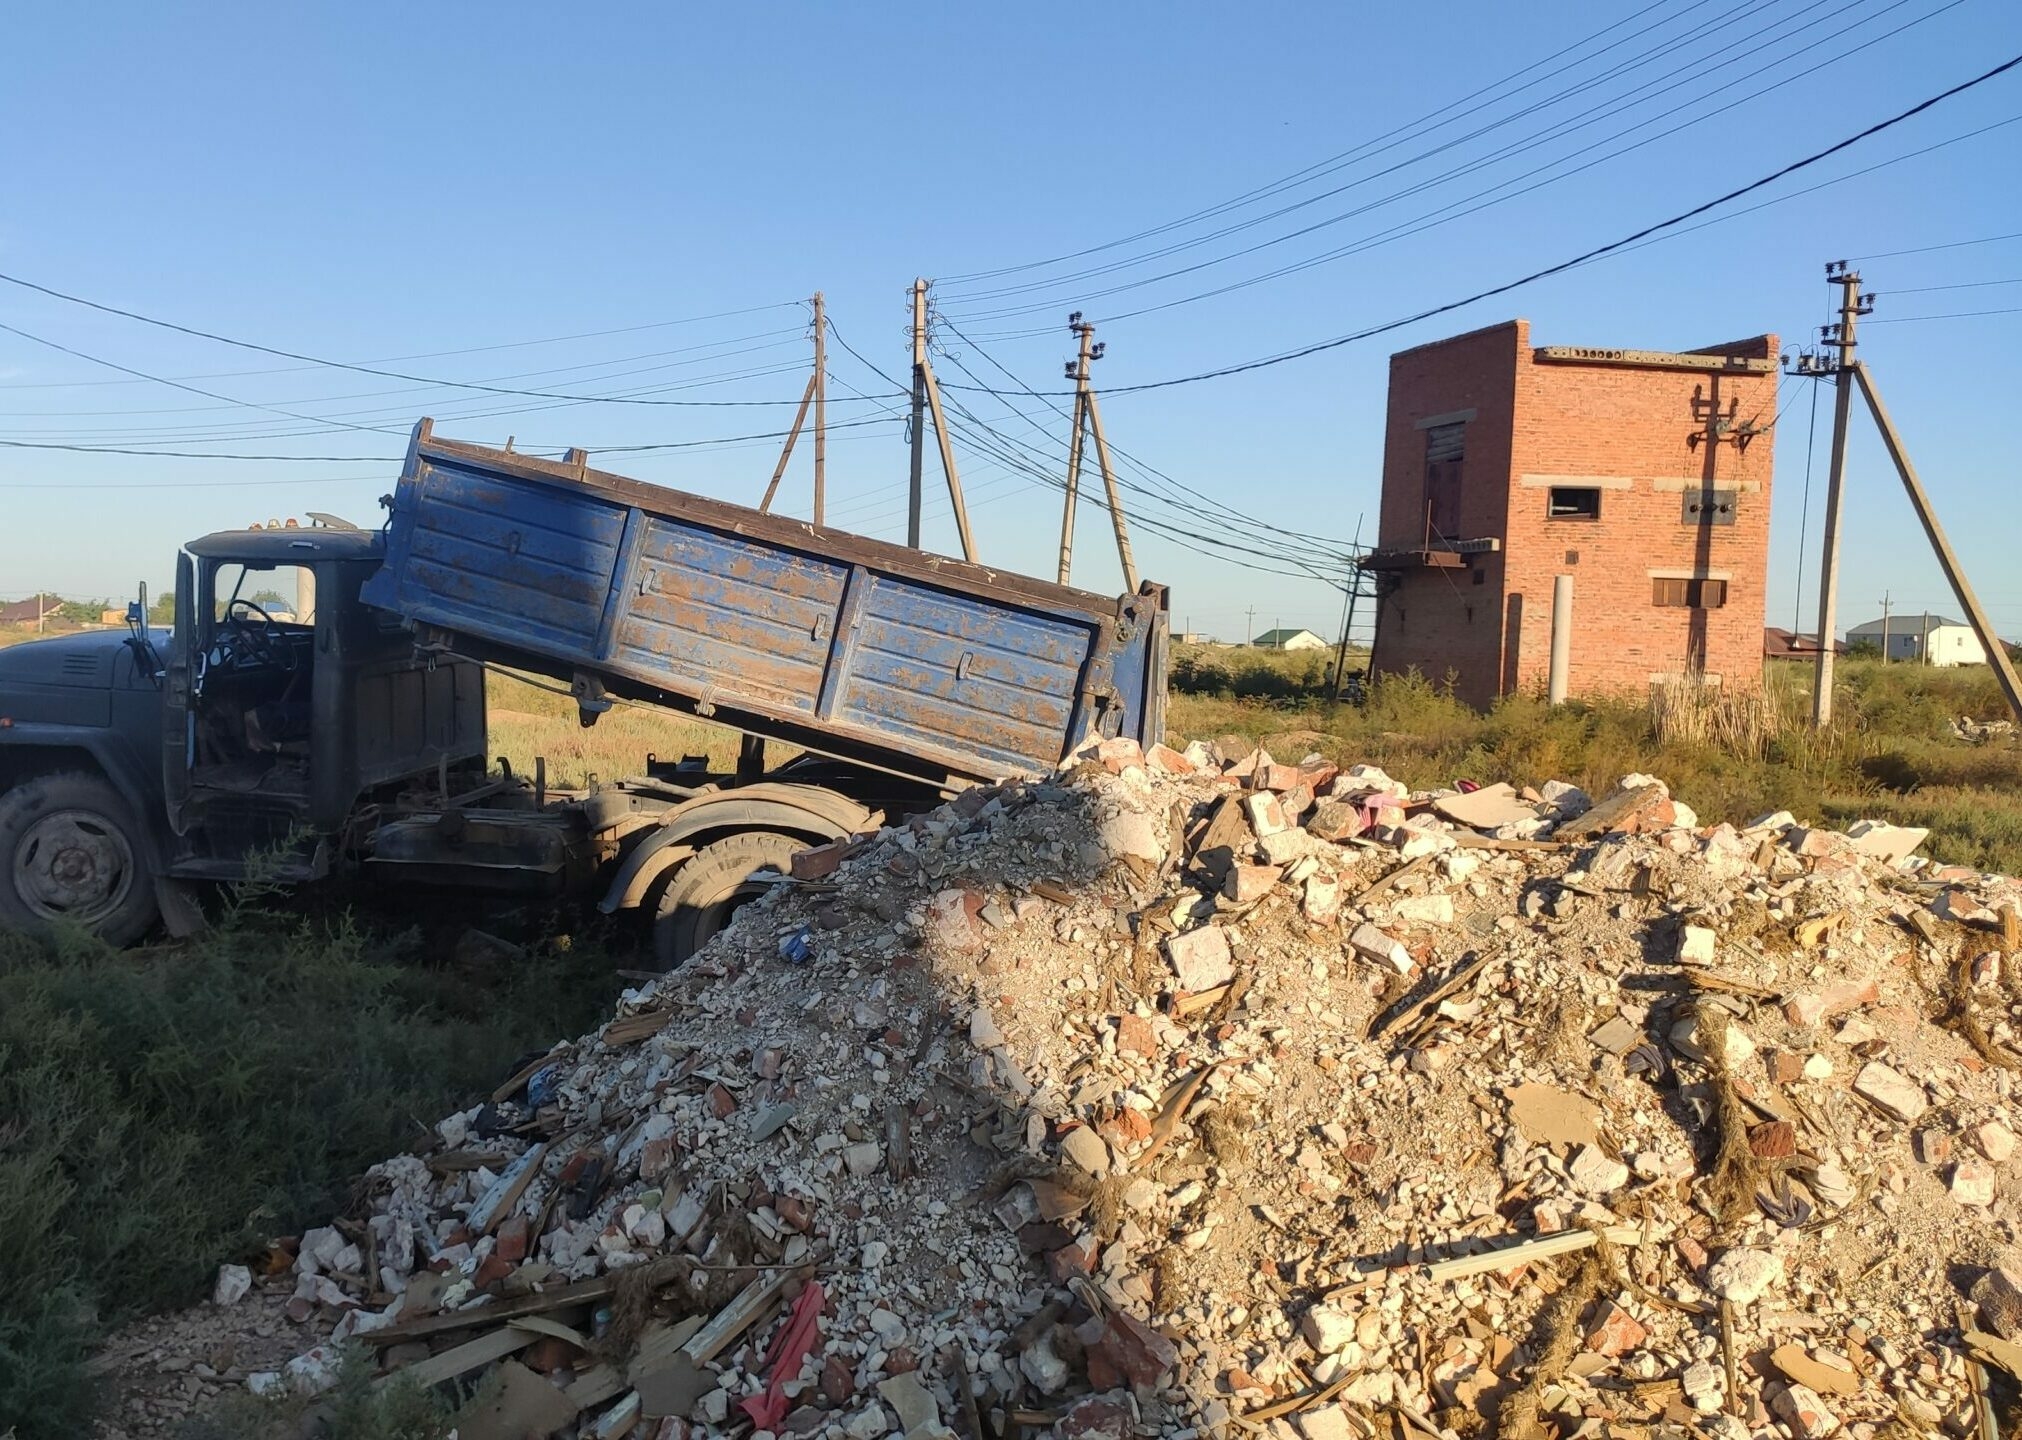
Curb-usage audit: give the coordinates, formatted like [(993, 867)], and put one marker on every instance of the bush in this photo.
[(163, 1112)]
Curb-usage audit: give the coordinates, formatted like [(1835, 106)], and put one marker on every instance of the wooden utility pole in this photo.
[(919, 432), (1088, 421), (1997, 654), (1840, 336), (816, 395)]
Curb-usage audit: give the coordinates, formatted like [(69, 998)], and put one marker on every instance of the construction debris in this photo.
[(1220, 1094)]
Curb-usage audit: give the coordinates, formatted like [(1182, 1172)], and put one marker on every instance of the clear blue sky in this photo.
[(368, 181)]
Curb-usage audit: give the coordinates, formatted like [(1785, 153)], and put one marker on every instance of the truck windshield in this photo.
[(285, 593)]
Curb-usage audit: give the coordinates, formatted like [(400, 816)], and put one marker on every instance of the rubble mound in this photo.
[(1184, 1094)]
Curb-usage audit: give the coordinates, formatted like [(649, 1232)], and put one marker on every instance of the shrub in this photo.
[(163, 1112)]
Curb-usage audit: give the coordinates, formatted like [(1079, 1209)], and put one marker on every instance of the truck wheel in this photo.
[(707, 889), (71, 852)]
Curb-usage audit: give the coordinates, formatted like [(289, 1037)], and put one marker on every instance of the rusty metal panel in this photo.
[(720, 612), (927, 669), (481, 548)]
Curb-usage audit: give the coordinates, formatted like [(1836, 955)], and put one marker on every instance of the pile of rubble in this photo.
[(1189, 1094)]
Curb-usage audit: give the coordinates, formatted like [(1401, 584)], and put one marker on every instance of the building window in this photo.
[(1575, 502), (1680, 593)]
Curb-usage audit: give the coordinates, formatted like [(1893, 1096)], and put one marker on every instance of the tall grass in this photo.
[(163, 1112)]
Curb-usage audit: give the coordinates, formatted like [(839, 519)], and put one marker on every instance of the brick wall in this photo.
[(1624, 430), (1443, 623), (1629, 430)]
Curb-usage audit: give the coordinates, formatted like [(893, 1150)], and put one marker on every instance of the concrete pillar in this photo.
[(1562, 638)]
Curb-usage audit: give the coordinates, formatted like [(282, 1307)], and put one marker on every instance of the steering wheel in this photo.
[(266, 643)]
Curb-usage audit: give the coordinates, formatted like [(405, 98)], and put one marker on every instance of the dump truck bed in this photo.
[(912, 663)]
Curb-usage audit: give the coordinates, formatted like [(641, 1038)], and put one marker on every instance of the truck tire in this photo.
[(72, 853), (709, 886)]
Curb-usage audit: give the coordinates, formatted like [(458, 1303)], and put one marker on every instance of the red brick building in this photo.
[(1644, 475)]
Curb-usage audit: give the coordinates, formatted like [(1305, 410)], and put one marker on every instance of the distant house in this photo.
[(1194, 637), (29, 611), (1928, 639), (1289, 640), (1779, 644)]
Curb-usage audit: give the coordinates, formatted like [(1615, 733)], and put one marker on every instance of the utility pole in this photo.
[(1250, 627), (919, 431), (816, 395), (1088, 416), (1885, 627), (1077, 371), (927, 401), (820, 408), (1839, 336)]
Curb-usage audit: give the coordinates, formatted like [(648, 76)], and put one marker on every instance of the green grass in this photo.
[(527, 720), (163, 1112), (1889, 755)]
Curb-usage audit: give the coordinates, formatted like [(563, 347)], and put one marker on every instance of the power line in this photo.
[(1664, 50), (1948, 245), (1336, 161), (1947, 315), (1597, 252), (422, 355), (342, 364), (1489, 197), (1961, 285)]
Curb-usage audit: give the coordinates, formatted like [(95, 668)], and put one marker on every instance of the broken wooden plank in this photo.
[(464, 1358), (631, 1029), (1404, 871), (505, 1193), (541, 1303), (1504, 1256), (735, 1318)]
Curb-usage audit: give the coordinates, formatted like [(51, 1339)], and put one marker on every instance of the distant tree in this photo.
[(162, 610), (1863, 650), (272, 600)]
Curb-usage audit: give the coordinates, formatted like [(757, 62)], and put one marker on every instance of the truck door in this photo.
[(178, 693)]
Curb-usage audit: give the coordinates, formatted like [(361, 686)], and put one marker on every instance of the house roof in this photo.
[(1279, 637), (1781, 644), (1906, 625), (29, 610)]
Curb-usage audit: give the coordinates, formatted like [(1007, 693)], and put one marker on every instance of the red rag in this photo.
[(784, 1357)]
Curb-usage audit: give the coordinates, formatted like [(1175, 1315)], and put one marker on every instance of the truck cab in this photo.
[(253, 736)]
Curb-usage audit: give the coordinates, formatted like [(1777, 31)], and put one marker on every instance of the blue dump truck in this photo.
[(347, 736)]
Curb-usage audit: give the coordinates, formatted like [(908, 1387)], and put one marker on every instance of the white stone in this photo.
[(1040, 1365), (1085, 1150), (1201, 958), (1973, 1183), (1425, 910), (1994, 1140), (863, 1158), (1886, 843), (1373, 944), (233, 1283), (912, 1403), (868, 1423), (1594, 1173), (1742, 1275), (1704, 1386), (1802, 1410), (1695, 945), (887, 1325), (1327, 1422), (1817, 1067), (1893, 1091), (1327, 1328)]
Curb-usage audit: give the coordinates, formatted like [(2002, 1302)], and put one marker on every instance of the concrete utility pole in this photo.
[(1249, 627), (1089, 415), (1885, 627), (1840, 336), (927, 401), (820, 408), (919, 431)]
